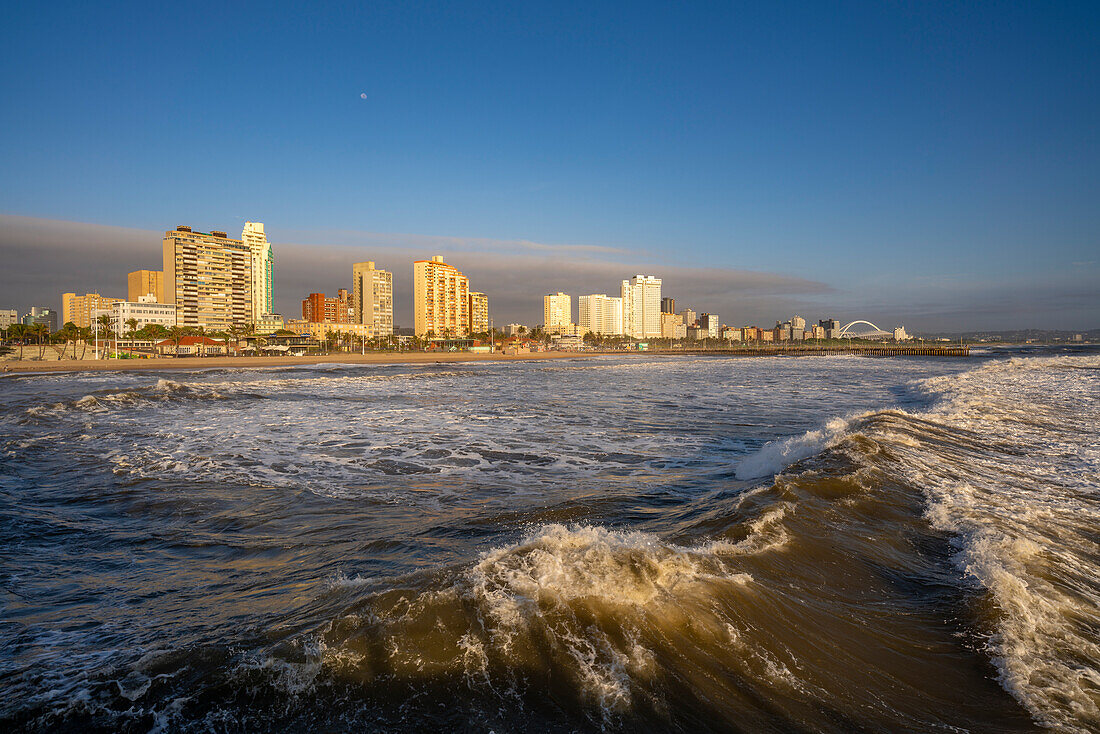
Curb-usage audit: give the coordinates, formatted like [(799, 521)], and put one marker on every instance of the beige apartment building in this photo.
[(372, 298), (479, 313), (81, 310), (208, 277), (441, 299), (145, 283), (673, 326), (557, 312)]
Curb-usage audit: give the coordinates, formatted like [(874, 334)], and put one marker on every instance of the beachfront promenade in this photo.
[(187, 363)]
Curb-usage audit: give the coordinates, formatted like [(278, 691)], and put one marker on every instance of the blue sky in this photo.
[(920, 160)]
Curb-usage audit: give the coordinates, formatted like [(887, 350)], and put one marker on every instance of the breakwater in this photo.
[(879, 350)]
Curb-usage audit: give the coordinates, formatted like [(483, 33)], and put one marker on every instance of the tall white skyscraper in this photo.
[(372, 298), (642, 307), (600, 314), (557, 311), (263, 269)]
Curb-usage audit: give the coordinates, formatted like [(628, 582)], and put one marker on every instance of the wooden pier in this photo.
[(881, 350)]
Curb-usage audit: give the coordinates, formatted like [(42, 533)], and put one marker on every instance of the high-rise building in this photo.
[(709, 322), (479, 313), (208, 277), (80, 310), (689, 316), (642, 307), (600, 314), (557, 312), (441, 298), (798, 328), (41, 315), (144, 283), (668, 305), (372, 298), (320, 309), (8, 316), (831, 327), (263, 269)]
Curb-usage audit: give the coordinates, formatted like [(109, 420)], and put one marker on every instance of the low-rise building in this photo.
[(512, 329), (146, 310), (731, 334), (269, 323), (697, 333), (320, 331), (192, 346)]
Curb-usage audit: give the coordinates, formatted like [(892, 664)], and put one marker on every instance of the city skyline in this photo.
[(744, 296), (934, 164)]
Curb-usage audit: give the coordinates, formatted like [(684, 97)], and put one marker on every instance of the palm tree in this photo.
[(104, 322), (68, 332), (18, 331), (174, 333), (132, 323), (42, 333), (236, 332), (84, 333)]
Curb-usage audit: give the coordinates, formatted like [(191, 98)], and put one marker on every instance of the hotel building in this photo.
[(479, 312), (143, 283), (642, 307), (372, 298), (600, 314), (208, 277), (82, 310), (557, 312), (441, 299)]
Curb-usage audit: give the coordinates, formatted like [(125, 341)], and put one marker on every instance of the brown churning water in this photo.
[(681, 545)]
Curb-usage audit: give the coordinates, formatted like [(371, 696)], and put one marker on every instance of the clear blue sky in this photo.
[(886, 144)]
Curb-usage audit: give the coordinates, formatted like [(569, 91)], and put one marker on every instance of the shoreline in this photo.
[(13, 367)]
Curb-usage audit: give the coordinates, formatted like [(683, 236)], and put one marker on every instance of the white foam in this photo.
[(776, 456)]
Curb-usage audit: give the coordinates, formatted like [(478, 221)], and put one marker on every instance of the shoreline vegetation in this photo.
[(12, 366)]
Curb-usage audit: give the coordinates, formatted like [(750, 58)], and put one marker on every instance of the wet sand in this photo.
[(190, 363)]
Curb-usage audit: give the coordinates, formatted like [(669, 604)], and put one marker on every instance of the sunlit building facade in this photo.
[(208, 277), (372, 298), (441, 299)]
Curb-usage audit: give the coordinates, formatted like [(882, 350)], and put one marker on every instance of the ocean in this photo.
[(685, 544)]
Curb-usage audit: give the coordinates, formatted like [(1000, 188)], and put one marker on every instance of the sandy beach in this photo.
[(11, 366)]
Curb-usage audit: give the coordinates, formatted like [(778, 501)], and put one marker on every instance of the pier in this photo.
[(878, 350)]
